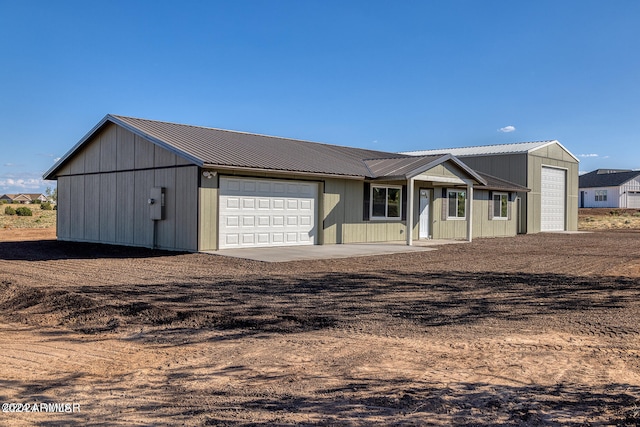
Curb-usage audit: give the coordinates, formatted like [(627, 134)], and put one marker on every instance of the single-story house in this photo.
[(140, 182), (610, 188), (547, 168), (23, 198)]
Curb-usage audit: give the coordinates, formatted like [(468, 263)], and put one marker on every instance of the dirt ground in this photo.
[(532, 330), (608, 219)]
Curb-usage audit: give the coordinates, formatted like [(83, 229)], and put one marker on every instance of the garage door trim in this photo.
[(553, 202), (265, 212)]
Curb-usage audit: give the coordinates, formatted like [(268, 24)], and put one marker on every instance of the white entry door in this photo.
[(424, 214), (266, 212)]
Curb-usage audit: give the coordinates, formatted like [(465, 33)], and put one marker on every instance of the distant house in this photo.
[(24, 198), (610, 188)]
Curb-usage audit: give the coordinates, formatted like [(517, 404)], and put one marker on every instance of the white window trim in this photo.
[(601, 196), (500, 218), (386, 206), (457, 218)]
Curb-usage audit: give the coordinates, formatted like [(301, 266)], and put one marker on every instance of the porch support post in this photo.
[(409, 212), (470, 211)]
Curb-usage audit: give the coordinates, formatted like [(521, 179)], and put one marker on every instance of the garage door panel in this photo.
[(305, 205), (553, 199), (233, 203), (263, 212), (248, 187)]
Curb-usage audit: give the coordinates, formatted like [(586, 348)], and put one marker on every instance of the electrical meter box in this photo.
[(156, 203)]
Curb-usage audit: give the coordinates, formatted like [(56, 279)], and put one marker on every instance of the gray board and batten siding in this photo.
[(103, 193)]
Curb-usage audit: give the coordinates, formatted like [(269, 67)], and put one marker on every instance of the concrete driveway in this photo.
[(312, 252)]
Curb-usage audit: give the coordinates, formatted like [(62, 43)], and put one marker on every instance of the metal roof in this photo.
[(410, 166), (606, 178), (223, 148), (219, 148), (494, 183), (398, 166), (483, 150)]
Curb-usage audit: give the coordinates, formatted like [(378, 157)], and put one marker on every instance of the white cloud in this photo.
[(9, 164), (588, 155), (507, 129), (21, 184)]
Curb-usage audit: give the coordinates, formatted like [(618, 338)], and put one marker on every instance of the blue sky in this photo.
[(387, 75)]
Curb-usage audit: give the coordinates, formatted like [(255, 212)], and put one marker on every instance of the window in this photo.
[(601, 195), (457, 203), (385, 202), (500, 205)]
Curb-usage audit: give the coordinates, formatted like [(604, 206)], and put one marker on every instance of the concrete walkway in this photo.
[(314, 252)]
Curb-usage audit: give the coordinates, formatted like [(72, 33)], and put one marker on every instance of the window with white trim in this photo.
[(386, 202), (601, 195), (500, 206), (457, 204)]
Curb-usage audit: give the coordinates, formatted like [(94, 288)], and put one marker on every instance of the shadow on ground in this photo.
[(361, 402), (49, 250), (285, 304)]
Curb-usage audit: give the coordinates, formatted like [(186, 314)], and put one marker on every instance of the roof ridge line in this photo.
[(247, 133), (481, 146)]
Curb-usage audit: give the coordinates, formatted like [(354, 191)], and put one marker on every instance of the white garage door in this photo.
[(266, 212), (553, 199), (634, 200)]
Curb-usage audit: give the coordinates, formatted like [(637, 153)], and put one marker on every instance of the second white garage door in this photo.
[(633, 200), (553, 199), (266, 212)]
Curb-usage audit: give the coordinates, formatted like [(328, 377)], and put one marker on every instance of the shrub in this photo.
[(4, 201), (9, 211), (46, 206), (36, 201), (23, 211)]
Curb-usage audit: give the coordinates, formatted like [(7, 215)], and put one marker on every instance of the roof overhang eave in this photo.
[(555, 141), (506, 189), (50, 174), (280, 171)]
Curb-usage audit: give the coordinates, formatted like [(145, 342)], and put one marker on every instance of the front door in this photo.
[(424, 214)]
